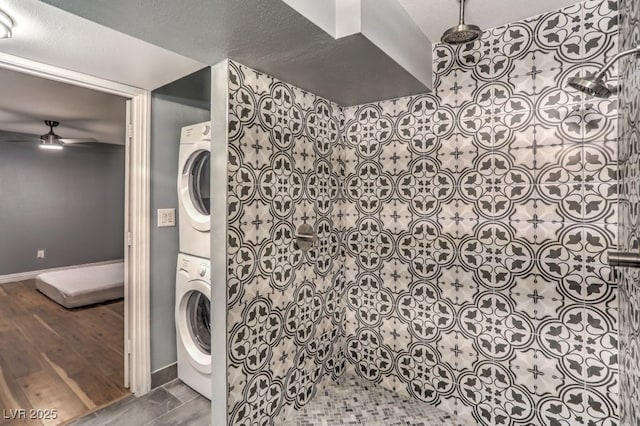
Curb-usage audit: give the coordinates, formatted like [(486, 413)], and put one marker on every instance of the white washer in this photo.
[(194, 174), (193, 322)]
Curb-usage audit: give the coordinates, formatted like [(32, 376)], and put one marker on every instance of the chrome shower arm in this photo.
[(602, 73), (461, 12)]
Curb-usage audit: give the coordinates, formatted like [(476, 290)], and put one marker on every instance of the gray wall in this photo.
[(178, 104), (70, 203)]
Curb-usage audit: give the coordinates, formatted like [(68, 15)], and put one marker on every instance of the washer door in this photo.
[(194, 184), (193, 320)]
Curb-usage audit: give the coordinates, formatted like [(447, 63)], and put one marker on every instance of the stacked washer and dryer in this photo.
[(193, 276)]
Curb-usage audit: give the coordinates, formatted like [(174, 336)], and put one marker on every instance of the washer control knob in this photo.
[(206, 129), (203, 270)]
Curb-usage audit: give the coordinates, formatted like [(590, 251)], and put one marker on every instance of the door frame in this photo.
[(137, 210)]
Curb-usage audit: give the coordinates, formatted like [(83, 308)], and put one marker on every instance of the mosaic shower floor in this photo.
[(354, 401)]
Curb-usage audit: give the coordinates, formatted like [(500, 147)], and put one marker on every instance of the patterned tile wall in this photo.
[(476, 224), (285, 313), (629, 202)]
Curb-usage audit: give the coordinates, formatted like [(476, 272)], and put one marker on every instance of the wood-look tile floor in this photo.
[(52, 358), (173, 404)]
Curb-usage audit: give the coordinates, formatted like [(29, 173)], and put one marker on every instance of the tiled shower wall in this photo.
[(284, 311), (629, 229), (476, 224), (463, 230)]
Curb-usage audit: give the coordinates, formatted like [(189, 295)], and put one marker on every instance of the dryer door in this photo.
[(194, 183), (193, 320)]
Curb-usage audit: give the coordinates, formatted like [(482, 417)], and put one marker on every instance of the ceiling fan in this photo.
[(51, 140)]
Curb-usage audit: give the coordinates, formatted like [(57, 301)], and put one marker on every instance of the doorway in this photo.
[(135, 343)]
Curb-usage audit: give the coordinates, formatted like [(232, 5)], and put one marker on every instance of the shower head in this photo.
[(591, 85), (461, 33), (594, 85)]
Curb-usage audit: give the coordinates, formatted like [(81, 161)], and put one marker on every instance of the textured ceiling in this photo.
[(27, 101), (267, 35), (270, 36), (435, 16), (49, 35)]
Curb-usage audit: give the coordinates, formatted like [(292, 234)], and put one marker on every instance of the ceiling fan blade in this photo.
[(88, 143), (79, 145), (72, 141), (17, 137)]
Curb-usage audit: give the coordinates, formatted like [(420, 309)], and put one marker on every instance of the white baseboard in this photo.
[(20, 276)]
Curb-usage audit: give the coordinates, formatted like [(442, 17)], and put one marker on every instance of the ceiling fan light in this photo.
[(51, 146), (6, 25)]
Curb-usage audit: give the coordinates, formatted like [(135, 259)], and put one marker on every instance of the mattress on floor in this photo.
[(83, 286)]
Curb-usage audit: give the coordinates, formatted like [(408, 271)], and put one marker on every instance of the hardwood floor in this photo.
[(52, 358)]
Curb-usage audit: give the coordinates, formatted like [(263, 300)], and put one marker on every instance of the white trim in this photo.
[(219, 163), (140, 215), (29, 275), (137, 269), (127, 243), (50, 72)]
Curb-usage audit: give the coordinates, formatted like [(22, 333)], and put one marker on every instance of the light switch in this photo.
[(166, 218)]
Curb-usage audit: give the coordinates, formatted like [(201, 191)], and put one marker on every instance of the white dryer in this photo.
[(193, 322), (194, 174)]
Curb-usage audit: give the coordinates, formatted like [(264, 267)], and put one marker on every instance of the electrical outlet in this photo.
[(166, 217), (40, 254)]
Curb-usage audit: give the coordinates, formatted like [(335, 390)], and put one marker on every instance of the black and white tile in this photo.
[(351, 400), (478, 220), (285, 306), (462, 234)]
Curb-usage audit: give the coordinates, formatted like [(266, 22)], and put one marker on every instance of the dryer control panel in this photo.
[(196, 132), (194, 267)]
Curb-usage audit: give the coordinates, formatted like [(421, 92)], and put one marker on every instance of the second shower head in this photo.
[(591, 85), (594, 85)]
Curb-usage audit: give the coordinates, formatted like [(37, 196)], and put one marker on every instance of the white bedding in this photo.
[(83, 286)]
